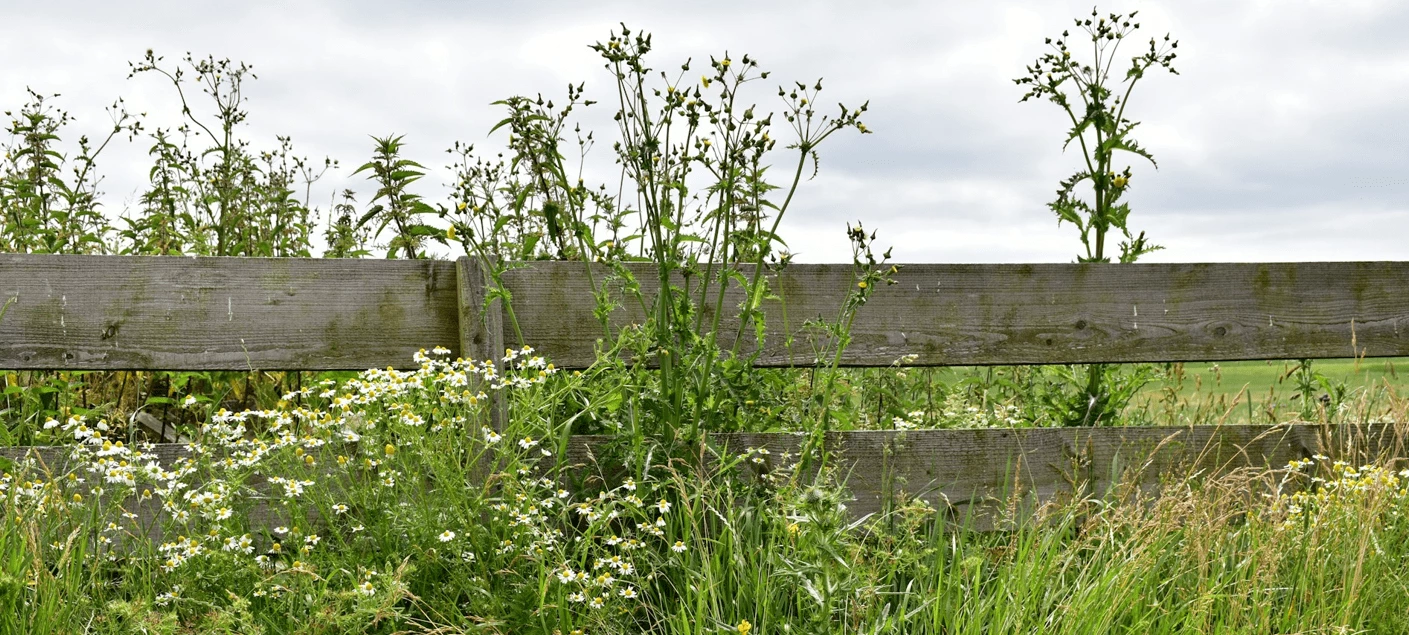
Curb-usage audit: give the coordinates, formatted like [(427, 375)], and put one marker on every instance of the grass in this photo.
[(1274, 376), (346, 509)]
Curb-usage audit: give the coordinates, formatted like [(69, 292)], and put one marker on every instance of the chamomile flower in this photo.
[(446, 536)]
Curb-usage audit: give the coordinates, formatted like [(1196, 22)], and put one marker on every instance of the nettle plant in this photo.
[(1094, 97)]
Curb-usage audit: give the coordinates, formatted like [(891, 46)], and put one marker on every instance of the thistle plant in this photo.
[(210, 192), (721, 233), (1095, 102), (49, 199), (694, 201)]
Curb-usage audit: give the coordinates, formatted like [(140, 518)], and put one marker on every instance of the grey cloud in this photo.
[(1284, 137)]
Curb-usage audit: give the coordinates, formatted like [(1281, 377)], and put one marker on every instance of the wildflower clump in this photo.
[(263, 502), (1336, 495)]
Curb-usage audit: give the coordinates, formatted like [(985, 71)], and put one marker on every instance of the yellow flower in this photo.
[(704, 79), (77, 498), (390, 449), (461, 206), (1119, 181), (450, 231), (745, 627), (861, 285)]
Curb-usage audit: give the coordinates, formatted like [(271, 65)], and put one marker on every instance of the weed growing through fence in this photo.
[(1090, 95), (694, 204), (394, 204), (209, 193)]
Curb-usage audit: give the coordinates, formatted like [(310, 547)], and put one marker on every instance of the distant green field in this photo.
[(1271, 392), (1260, 378)]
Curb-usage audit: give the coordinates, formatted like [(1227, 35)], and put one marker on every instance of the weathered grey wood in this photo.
[(109, 312), (978, 473), (481, 326), (1030, 314), (159, 429), (176, 313)]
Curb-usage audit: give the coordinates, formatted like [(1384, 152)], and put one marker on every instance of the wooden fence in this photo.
[(177, 313)]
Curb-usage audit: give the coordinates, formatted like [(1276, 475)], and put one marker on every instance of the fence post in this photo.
[(481, 327)]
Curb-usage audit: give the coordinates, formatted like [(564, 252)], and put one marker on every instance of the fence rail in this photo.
[(173, 313), (974, 474)]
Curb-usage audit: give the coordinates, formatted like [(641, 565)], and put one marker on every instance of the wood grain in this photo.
[(980, 474), (1029, 314), (176, 313), (171, 313)]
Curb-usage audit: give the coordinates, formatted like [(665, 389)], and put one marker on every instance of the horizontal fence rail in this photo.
[(177, 313), (980, 472), (976, 474), (1030, 314)]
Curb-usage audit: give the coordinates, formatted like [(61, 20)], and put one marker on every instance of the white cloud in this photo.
[(1284, 138)]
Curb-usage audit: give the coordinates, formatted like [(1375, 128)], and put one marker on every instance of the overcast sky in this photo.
[(1285, 136)]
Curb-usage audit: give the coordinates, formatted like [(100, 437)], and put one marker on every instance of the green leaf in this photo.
[(423, 230), (371, 213), (550, 215)]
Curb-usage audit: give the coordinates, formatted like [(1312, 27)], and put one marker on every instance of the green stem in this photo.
[(757, 279)]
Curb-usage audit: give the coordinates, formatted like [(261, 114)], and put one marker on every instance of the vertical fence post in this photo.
[(481, 327)]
